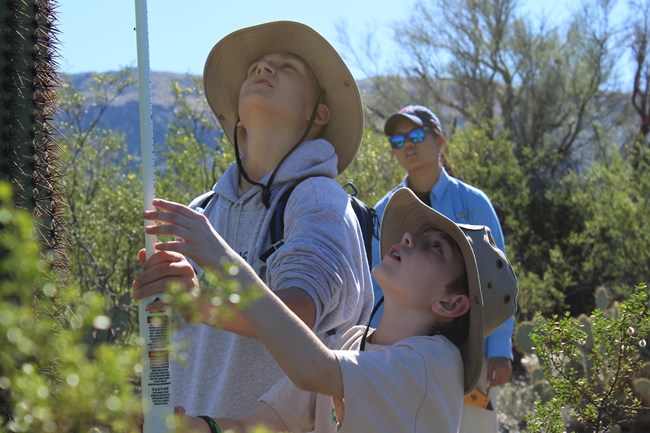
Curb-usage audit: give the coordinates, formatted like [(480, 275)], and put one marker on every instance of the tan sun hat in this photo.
[(228, 61), (492, 283)]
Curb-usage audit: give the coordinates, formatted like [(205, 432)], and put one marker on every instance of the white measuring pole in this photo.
[(155, 328)]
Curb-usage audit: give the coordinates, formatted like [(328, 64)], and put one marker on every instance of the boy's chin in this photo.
[(379, 273)]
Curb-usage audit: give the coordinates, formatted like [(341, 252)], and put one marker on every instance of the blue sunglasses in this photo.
[(415, 136)]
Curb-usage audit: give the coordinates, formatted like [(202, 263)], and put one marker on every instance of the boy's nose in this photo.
[(264, 66), (407, 239)]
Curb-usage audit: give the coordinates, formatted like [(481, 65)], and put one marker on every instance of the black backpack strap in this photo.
[(276, 229), (368, 220), (367, 217), (202, 201)]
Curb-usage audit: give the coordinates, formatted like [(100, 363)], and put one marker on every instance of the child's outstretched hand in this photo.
[(195, 236), (196, 239)]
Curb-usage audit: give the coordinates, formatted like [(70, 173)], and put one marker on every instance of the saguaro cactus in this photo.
[(28, 158), (28, 81)]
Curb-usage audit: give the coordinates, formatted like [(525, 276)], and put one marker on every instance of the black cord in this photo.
[(266, 189), (365, 333)]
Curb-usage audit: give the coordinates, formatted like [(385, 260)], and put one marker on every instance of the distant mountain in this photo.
[(123, 114)]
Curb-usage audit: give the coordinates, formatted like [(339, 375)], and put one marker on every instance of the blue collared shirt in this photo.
[(461, 203)]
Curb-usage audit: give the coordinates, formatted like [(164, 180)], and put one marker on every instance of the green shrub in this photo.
[(56, 381), (593, 365)]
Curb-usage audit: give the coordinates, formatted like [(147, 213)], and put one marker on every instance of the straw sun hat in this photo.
[(227, 63), (492, 282)]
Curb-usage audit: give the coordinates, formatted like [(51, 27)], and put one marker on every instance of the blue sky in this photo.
[(99, 36)]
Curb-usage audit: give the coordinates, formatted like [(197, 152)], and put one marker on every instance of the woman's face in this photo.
[(420, 156)]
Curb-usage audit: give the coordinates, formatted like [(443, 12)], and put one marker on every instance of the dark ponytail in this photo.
[(443, 156)]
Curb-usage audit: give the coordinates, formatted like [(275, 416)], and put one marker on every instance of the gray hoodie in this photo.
[(222, 374)]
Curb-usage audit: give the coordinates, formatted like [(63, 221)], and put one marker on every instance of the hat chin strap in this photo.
[(266, 189), (362, 346), (365, 333)]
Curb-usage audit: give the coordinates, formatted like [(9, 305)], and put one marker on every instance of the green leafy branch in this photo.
[(592, 365)]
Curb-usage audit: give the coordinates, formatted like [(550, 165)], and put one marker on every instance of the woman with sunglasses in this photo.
[(416, 139)]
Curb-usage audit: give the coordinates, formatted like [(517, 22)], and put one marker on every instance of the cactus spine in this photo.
[(28, 158), (28, 82)]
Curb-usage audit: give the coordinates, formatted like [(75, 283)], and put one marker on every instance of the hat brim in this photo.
[(228, 61), (405, 212)]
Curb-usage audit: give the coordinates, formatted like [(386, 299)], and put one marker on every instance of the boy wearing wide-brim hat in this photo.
[(446, 287), (292, 110), (417, 142)]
